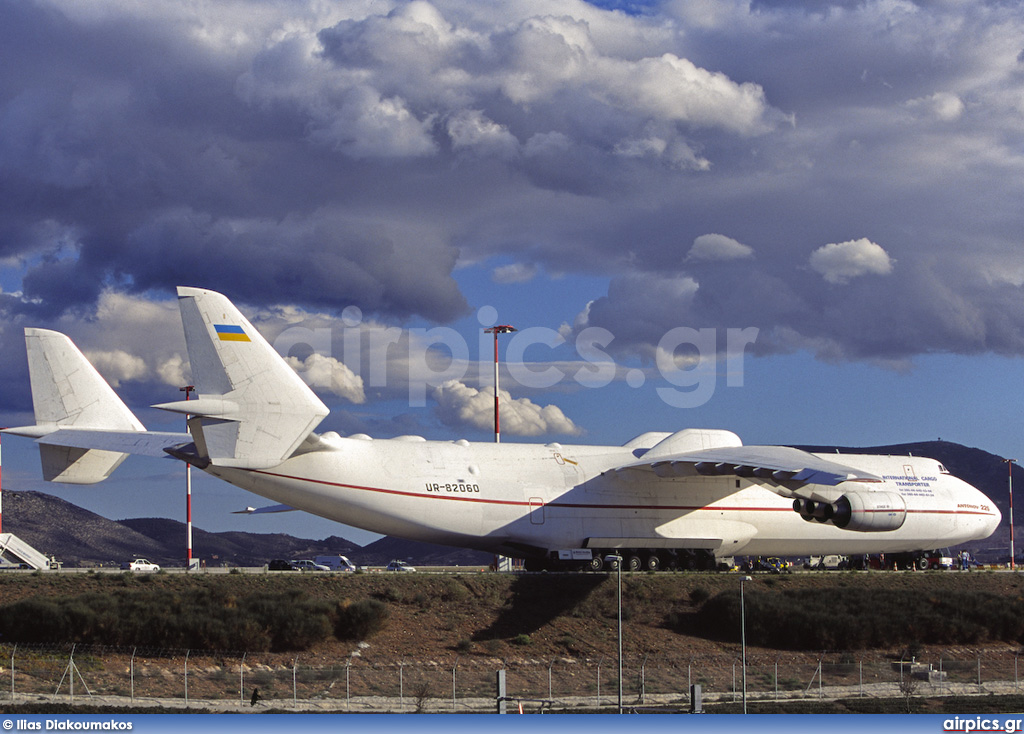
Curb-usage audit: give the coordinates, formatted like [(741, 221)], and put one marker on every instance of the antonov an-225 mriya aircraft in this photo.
[(661, 499)]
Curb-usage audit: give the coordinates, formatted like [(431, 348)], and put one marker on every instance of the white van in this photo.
[(336, 563)]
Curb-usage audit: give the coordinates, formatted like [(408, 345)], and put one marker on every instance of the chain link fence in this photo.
[(228, 680)]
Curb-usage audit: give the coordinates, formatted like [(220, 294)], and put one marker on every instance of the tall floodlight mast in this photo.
[(501, 329)]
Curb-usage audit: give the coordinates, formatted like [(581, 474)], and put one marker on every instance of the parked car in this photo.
[(139, 564), (279, 564), (308, 565), (399, 566)]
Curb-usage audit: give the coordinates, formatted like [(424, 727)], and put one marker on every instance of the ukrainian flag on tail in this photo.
[(230, 333)]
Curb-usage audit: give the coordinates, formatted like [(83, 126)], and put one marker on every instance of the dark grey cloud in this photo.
[(334, 155)]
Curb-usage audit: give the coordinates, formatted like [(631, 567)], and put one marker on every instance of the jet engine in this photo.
[(862, 511)]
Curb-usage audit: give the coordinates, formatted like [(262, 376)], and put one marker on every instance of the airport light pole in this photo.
[(743, 640), (188, 389), (500, 329), (617, 560), (1009, 472)]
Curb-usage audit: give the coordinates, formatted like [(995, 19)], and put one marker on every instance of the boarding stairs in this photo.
[(15, 551)]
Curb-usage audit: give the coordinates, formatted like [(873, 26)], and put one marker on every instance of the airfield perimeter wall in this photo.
[(224, 681)]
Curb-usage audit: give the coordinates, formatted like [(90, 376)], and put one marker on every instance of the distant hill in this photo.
[(75, 536), (78, 537)]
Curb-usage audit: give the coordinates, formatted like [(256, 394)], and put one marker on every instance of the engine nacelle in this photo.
[(862, 511), (870, 511), (812, 511)]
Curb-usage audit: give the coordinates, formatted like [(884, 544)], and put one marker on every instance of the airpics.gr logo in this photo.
[(230, 333)]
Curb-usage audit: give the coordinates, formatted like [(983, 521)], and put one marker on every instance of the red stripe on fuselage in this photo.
[(575, 505)]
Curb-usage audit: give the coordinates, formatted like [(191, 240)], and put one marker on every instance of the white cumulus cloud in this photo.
[(118, 365), (943, 106), (718, 247), (840, 261), (460, 404), (514, 273), (328, 374)]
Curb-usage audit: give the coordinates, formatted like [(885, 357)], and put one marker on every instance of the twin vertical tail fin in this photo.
[(252, 409), (70, 396)]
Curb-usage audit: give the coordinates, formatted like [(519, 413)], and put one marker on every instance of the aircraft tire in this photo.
[(596, 564), (634, 563), (922, 563), (653, 563)]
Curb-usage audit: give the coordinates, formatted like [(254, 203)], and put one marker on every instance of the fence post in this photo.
[(241, 679), (401, 686), (455, 668), (348, 690), (295, 689), (502, 704), (187, 653), (599, 683), (550, 666), (13, 651), (643, 679), (776, 680), (132, 671), (979, 671)]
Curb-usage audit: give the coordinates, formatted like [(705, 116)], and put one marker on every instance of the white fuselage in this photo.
[(525, 498)]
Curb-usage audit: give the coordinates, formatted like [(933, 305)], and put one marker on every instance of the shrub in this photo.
[(197, 618), (358, 620), (841, 618)]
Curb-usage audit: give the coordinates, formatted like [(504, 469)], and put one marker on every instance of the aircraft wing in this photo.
[(789, 468)]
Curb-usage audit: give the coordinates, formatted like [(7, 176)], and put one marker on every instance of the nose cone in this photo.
[(992, 523), (988, 518)]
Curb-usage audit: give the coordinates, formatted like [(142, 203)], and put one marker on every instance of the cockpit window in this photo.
[(943, 470)]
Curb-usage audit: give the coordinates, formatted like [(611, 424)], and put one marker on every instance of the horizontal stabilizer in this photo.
[(143, 443), (68, 393)]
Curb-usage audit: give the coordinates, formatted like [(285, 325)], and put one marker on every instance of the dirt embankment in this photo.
[(536, 616)]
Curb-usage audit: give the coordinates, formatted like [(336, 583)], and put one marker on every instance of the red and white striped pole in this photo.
[(1009, 467), (502, 329), (188, 492)]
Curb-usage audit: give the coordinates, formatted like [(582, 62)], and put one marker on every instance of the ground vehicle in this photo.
[(397, 565), (832, 561), (279, 564), (336, 563), (139, 564), (771, 565), (308, 565), (936, 560)]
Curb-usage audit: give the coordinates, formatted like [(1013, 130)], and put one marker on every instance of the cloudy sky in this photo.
[(800, 221)]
